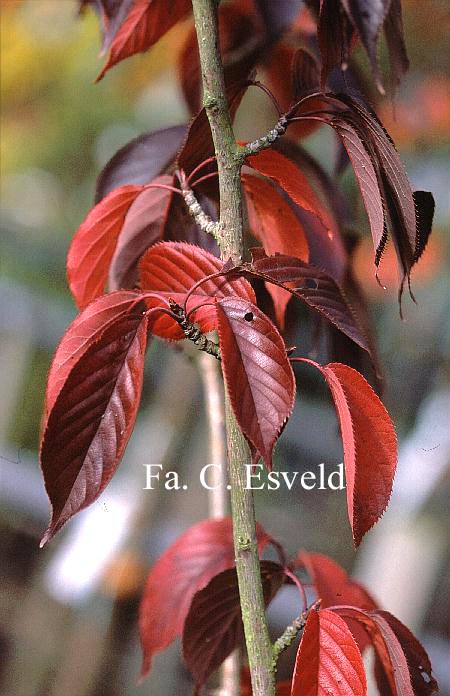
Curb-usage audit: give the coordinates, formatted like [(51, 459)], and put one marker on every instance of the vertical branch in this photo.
[(229, 161), (229, 676)]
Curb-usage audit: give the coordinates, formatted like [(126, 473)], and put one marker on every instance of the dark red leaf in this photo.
[(312, 286), (257, 373), (335, 34), (140, 160), (275, 225), (368, 18), (94, 242), (389, 651), (393, 28), (370, 446), (213, 626), (170, 269), (145, 23), (83, 332), (143, 226), (328, 659), (334, 586), (291, 179), (305, 74), (92, 417), (199, 554)]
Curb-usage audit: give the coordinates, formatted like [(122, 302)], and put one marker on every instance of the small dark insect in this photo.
[(248, 316), (192, 331)]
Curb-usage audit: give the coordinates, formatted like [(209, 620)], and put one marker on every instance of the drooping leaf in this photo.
[(83, 332), (213, 626), (328, 659), (258, 375), (275, 225), (143, 226), (171, 269), (393, 28), (403, 663), (369, 442), (335, 35), (92, 417), (140, 160), (368, 18), (145, 23), (312, 286), (187, 566), (291, 179), (94, 242), (366, 176)]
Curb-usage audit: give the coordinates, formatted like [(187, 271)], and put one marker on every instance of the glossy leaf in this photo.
[(369, 442), (275, 225), (313, 287), (400, 658), (143, 226), (92, 417), (203, 551), (94, 242), (82, 333), (328, 659), (171, 269), (145, 23), (213, 626), (291, 179), (140, 160), (258, 375)]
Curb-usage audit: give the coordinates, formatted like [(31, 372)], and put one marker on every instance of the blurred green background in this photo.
[(68, 613)]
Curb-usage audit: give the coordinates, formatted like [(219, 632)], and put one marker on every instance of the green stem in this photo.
[(229, 161)]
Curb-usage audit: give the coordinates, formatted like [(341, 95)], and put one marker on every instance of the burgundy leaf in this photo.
[(170, 269), (275, 225), (199, 554), (92, 417), (143, 226), (145, 23), (257, 373), (305, 73), (140, 160), (391, 655), (335, 34), (312, 286), (83, 332), (213, 626), (291, 179), (370, 446), (393, 29), (368, 18), (328, 659), (94, 242)]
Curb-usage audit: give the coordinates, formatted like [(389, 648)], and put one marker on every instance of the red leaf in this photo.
[(143, 227), (328, 659), (257, 373), (393, 28), (83, 332), (365, 175), (370, 446), (335, 35), (312, 286), (334, 586), (93, 245), (140, 160), (199, 554), (291, 179), (171, 269), (275, 225), (146, 22), (305, 74), (92, 417), (213, 626), (389, 651)]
